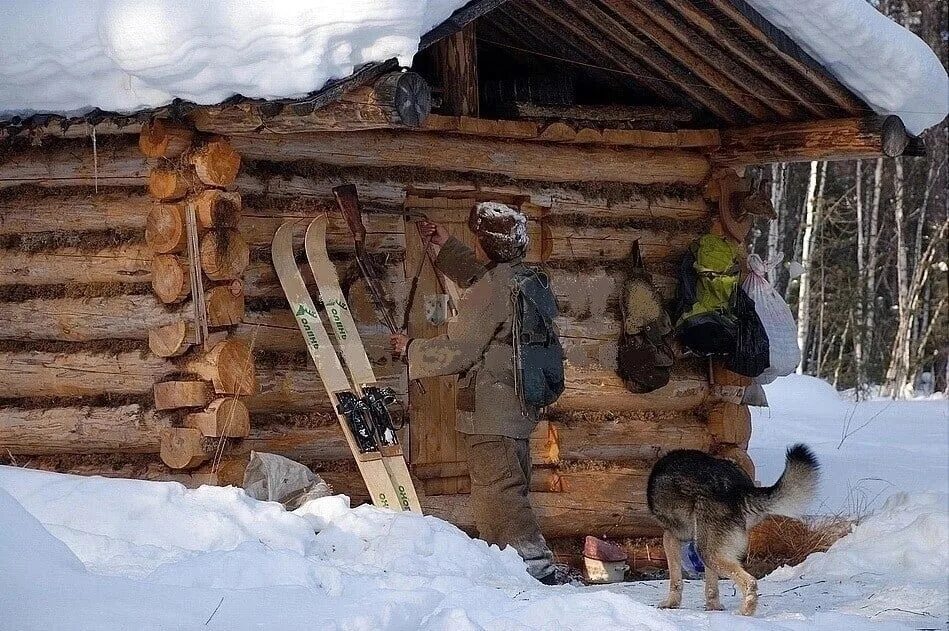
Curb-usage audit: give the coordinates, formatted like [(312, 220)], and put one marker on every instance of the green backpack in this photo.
[(708, 284)]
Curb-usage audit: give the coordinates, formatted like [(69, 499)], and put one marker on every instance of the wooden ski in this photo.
[(345, 401), (357, 361)]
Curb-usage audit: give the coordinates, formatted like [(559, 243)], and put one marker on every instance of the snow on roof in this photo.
[(888, 66), (70, 56), (127, 55)]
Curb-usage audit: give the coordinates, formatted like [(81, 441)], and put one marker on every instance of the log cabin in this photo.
[(606, 122)]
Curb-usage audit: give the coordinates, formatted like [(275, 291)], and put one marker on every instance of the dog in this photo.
[(697, 497)]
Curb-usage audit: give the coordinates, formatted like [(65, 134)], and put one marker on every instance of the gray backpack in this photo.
[(538, 355)]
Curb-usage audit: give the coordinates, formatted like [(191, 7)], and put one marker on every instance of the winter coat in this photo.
[(478, 347)]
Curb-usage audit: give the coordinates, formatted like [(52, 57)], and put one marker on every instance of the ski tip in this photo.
[(316, 227)]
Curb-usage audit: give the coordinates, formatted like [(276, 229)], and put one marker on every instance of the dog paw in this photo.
[(670, 603), (714, 605), (748, 607)]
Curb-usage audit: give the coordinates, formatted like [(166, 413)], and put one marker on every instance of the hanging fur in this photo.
[(645, 358)]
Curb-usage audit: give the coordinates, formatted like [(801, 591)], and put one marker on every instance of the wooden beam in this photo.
[(701, 67), (708, 50), (397, 99), (456, 60), (749, 21), (778, 74), (516, 159), (117, 163), (607, 113), (833, 139), (648, 59)]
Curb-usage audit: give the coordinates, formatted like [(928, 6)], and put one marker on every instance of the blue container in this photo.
[(691, 561)]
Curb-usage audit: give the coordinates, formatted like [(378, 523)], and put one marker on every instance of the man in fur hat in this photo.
[(478, 347)]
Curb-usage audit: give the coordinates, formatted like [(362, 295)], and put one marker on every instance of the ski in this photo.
[(374, 397), (347, 404)]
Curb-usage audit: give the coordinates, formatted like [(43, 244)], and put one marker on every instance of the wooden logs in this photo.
[(730, 424), (216, 163), (33, 373), (81, 210), (117, 264), (607, 113), (184, 448), (625, 436), (171, 395), (168, 184), (393, 100), (171, 278), (126, 317), (228, 365), (172, 339), (831, 139), (214, 208), (513, 158), (74, 164), (80, 430), (225, 304), (162, 138), (224, 254), (222, 418), (166, 229)]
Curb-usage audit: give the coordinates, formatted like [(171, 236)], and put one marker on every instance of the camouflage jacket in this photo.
[(477, 347)]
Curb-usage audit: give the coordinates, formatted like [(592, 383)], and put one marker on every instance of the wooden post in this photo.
[(457, 60)]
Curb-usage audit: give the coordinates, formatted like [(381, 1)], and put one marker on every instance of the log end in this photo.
[(162, 138), (171, 278), (165, 229), (216, 163), (171, 340), (183, 448), (223, 418), (894, 137), (172, 395)]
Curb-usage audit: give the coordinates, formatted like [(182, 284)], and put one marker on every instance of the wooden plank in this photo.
[(456, 61), (776, 73), (702, 68), (607, 113), (749, 21), (517, 159), (602, 31)]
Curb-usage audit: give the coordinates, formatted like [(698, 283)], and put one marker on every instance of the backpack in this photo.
[(708, 281), (538, 354)]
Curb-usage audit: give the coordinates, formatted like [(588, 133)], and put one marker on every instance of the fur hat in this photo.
[(501, 230)]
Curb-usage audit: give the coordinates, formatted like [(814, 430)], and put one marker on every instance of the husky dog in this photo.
[(697, 497)]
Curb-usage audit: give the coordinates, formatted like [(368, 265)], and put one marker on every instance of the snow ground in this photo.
[(93, 553)]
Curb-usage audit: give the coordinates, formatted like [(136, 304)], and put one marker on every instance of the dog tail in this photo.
[(793, 491)]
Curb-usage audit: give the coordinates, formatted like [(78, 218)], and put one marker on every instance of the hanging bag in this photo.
[(777, 319)]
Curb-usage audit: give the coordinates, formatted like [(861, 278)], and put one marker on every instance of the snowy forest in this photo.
[(873, 310)]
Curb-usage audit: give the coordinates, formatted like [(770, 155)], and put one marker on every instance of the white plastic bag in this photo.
[(777, 320)]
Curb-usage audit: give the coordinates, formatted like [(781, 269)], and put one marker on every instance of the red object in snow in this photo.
[(600, 550)]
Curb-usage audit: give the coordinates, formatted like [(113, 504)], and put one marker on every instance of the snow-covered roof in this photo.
[(69, 56), (130, 55), (889, 67)]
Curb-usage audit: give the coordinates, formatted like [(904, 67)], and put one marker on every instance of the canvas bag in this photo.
[(777, 319)]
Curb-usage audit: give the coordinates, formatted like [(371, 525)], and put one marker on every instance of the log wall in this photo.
[(77, 305)]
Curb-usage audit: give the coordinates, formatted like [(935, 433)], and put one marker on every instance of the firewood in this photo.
[(215, 208), (225, 304), (168, 184), (171, 340), (161, 138), (227, 417), (224, 254), (184, 448), (171, 395), (228, 365), (171, 278), (216, 163), (165, 229)]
